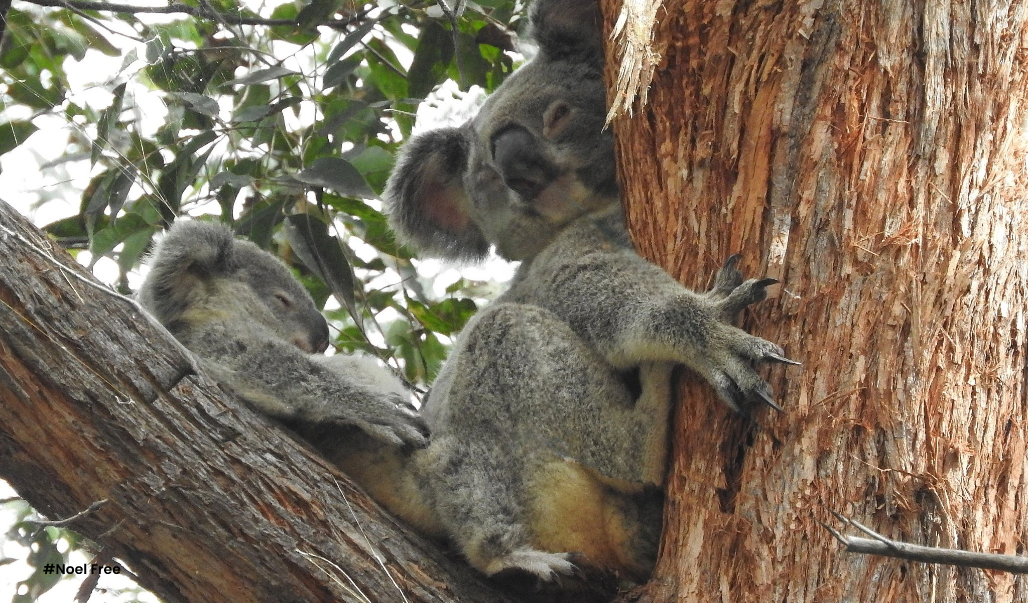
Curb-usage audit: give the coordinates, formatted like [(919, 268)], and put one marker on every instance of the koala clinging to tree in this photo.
[(257, 329), (550, 417)]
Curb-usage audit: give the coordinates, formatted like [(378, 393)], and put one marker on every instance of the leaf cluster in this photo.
[(286, 132)]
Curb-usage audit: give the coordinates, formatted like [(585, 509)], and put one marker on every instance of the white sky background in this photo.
[(37, 185)]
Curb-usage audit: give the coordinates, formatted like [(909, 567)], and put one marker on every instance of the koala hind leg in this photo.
[(483, 509)]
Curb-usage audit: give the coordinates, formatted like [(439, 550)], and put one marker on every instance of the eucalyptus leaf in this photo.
[(336, 174), (322, 253)]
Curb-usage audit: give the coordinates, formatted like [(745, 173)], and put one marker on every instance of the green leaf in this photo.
[(323, 254), (258, 223), (291, 33), (96, 40), (42, 552), (180, 173), (13, 133), (108, 117), (350, 40), (69, 232), (338, 72), (253, 113), (375, 164), (135, 245), (204, 105), (447, 317), (434, 53), (318, 11), (226, 177), (385, 76), (262, 75), (113, 189), (15, 48), (338, 175), (106, 239)]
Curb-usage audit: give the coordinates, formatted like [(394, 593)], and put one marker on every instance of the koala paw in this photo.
[(541, 566), (731, 372), (391, 419)]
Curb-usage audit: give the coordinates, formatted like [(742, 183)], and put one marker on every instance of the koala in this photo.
[(241, 311), (550, 418)]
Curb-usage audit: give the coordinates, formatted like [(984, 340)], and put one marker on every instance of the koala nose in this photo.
[(524, 167), (321, 339), (315, 340)]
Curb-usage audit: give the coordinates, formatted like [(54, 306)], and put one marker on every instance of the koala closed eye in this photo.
[(284, 300)]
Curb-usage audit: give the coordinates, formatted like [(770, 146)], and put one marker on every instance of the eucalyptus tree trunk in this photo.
[(871, 156)]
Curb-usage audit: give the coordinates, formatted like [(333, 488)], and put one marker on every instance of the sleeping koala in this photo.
[(550, 418), (257, 329)]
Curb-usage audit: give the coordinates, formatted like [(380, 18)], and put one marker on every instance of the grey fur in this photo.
[(243, 313), (537, 413)]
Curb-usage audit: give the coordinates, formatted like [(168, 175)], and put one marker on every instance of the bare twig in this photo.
[(877, 544), (5, 6), (60, 522), (453, 14), (196, 11)]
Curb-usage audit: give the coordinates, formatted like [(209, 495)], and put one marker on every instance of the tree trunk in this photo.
[(204, 499), (871, 156)]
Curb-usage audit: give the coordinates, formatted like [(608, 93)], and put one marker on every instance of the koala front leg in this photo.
[(285, 383), (694, 328), (635, 312)]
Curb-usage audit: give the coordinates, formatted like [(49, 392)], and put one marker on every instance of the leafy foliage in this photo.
[(284, 129)]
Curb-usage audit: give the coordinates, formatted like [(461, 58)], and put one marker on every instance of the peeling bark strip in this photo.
[(870, 155), (206, 500)]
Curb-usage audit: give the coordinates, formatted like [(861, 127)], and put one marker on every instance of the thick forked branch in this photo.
[(205, 500)]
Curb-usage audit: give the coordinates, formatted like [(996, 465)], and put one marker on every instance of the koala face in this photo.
[(295, 317), (201, 274), (534, 158)]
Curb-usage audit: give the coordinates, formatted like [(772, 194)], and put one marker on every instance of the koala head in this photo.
[(199, 273), (534, 158)]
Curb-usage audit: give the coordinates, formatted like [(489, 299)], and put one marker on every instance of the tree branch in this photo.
[(195, 11), (206, 501), (887, 547)]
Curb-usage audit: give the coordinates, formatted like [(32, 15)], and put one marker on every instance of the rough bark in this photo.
[(871, 155), (206, 501)]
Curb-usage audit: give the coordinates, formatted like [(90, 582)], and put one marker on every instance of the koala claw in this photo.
[(727, 278), (767, 399), (781, 359), (744, 294)]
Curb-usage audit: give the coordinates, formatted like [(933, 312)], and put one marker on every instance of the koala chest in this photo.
[(571, 509)]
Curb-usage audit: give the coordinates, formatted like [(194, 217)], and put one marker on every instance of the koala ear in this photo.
[(425, 197), (189, 253), (568, 30)]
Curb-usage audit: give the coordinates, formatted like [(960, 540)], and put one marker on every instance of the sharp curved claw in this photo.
[(766, 399), (781, 359)]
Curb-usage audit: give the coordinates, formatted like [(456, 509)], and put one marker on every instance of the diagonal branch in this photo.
[(107, 421), (877, 544)]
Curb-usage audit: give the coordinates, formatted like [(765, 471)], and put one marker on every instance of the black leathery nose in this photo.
[(523, 167)]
